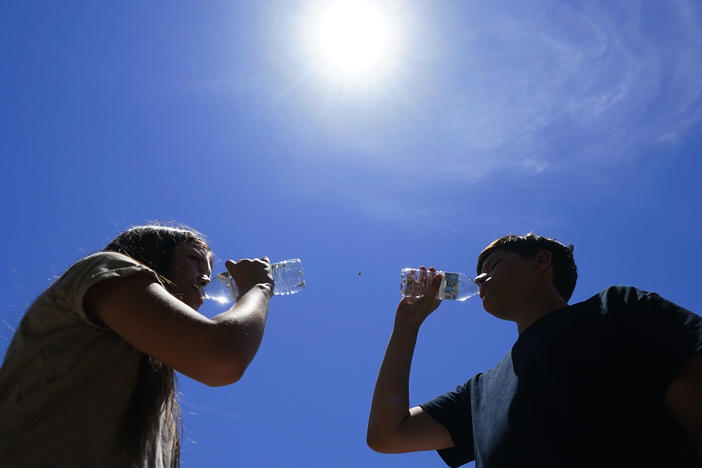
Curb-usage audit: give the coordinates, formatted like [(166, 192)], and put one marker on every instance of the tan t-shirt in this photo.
[(67, 379)]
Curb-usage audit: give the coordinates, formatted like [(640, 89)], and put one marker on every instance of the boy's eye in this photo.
[(491, 266)]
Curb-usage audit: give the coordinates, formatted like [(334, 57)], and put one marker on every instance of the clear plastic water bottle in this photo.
[(454, 286), (287, 276)]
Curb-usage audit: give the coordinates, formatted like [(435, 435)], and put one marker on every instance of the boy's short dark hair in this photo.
[(565, 273)]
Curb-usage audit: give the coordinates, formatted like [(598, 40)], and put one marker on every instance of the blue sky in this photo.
[(489, 117)]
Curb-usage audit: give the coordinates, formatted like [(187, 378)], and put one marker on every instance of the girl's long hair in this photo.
[(153, 406)]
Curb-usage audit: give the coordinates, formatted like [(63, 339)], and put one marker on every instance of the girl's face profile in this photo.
[(190, 271)]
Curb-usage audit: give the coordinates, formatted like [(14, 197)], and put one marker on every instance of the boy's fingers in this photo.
[(435, 285)]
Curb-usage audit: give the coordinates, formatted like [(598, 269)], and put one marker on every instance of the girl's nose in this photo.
[(203, 280)]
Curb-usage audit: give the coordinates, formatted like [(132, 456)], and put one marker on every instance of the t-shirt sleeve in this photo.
[(452, 410), (81, 276), (668, 334)]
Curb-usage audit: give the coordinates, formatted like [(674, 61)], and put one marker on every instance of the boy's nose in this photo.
[(480, 279)]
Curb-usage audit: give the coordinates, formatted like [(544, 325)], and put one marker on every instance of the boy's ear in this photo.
[(543, 259)]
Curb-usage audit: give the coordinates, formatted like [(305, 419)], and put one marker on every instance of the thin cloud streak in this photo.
[(601, 77)]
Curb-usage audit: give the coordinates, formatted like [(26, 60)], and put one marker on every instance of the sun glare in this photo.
[(353, 38)]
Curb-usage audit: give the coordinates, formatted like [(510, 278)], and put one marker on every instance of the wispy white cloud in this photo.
[(565, 86)]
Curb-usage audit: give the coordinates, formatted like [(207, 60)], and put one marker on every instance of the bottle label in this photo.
[(450, 286)]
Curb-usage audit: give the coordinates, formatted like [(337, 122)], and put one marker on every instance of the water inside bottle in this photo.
[(219, 290), (288, 277), (454, 286), (222, 292), (413, 283)]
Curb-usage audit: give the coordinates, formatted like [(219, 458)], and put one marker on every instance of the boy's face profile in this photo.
[(506, 279)]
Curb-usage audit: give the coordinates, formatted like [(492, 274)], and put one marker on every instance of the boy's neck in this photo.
[(543, 305)]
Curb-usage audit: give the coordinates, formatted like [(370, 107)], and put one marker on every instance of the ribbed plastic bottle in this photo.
[(287, 276), (454, 286)]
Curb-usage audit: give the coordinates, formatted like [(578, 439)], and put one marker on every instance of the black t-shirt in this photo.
[(582, 386)]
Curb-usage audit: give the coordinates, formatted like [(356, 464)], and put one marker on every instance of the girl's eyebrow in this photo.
[(204, 261), (201, 258)]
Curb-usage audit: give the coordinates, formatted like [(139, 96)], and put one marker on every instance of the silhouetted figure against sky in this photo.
[(614, 381), (88, 378)]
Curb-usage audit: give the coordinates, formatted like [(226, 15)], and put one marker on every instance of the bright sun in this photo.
[(353, 38)]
